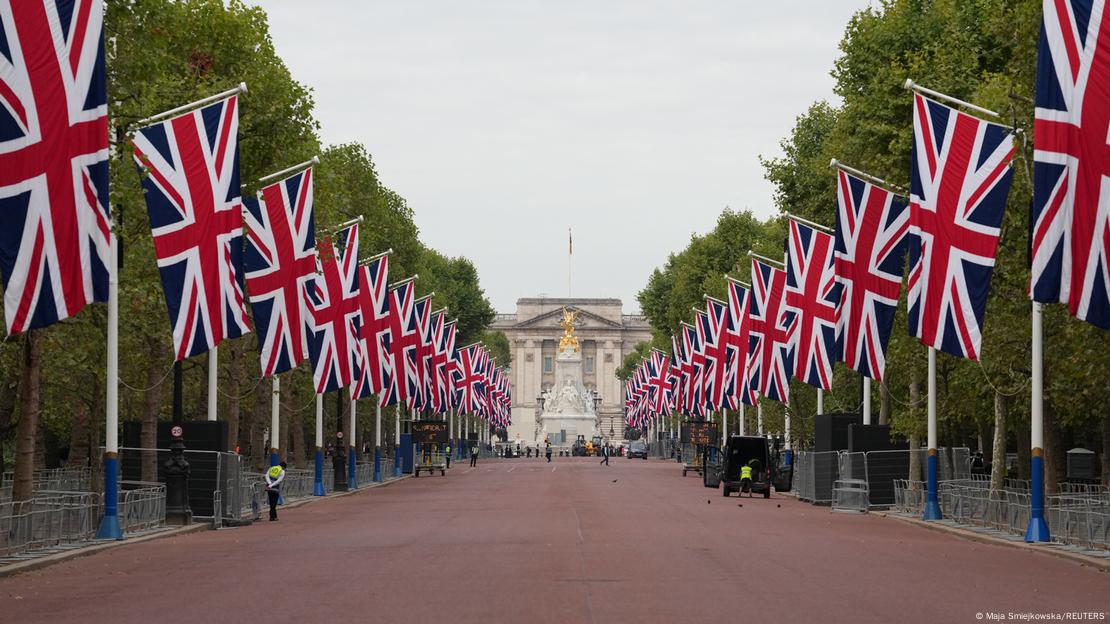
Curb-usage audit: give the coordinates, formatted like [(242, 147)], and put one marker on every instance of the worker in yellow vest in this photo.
[(274, 476), (746, 479)]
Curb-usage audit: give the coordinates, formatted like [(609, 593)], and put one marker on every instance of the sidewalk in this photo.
[(37, 559)]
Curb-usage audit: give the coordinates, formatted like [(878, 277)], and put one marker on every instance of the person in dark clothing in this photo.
[(473, 455), (605, 454), (547, 453), (274, 476)]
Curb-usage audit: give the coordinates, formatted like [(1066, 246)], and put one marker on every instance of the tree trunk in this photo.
[(234, 355), (915, 440), (998, 456), (9, 394), (1104, 476), (152, 406), (297, 429), (884, 404), (201, 410), (29, 408), (79, 450), (260, 416), (1024, 452), (1053, 452)]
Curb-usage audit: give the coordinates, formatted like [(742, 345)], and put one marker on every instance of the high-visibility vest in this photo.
[(275, 471), (746, 472)]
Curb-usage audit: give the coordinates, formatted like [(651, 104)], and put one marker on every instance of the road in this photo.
[(570, 541)]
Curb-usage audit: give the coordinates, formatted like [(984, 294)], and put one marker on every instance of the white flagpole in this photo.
[(352, 454), (724, 423), (932, 504), (109, 523), (377, 440), (213, 368), (786, 425), (866, 400), (275, 422), (820, 401), (759, 416), (318, 479), (242, 88), (1037, 531), (742, 426)]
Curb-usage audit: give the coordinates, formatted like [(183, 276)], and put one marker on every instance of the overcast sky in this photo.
[(503, 123)]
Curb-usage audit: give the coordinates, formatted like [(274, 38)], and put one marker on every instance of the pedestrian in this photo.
[(474, 455), (274, 476), (605, 455), (547, 452), (447, 454)]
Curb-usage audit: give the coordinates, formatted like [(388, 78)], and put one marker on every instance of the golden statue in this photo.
[(568, 339)]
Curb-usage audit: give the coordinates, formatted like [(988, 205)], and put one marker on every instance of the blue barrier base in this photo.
[(377, 465), (318, 481), (1037, 531), (109, 524), (932, 504), (397, 464)]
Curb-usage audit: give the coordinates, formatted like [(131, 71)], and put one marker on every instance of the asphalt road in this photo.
[(570, 541)]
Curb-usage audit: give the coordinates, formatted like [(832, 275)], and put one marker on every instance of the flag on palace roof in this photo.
[(960, 177), (813, 295), (333, 342), (280, 267), (871, 226), (196, 217), (53, 160), (1070, 235)]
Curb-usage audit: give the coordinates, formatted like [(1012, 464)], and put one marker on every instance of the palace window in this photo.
[(589, 364), (548, 364)]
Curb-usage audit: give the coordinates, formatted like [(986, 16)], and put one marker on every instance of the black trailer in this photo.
[(754, 451)]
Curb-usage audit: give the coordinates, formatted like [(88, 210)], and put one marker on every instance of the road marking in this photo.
[(553, 468), (468, 470), (512, 469)]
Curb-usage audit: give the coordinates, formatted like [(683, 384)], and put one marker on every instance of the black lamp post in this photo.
[(176, 468)]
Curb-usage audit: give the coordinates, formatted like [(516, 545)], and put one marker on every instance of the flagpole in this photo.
[(724, 424), (742, 425), (242, 88), (932, 504), (377, 441), (352, 456), (318, 479), (397, 438), (820, 401), (275, 422), (213, 368), (759, 416), (890, 187), (913, 86), (109, 523), (866, 400), (786, 426), (290, 170), (1037, 531)]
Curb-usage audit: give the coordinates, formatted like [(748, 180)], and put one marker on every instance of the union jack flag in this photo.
[(436, 363), (871, 226), (738, 336), (196, 217), (333, 343), (470, 379), (404, 337), (1071, 223), (422, 313), (678, 371), (661, 383), (772, 354), (960, 179), (446, 362), (280, 264), (813, 295), (693, 403), (717, 353), (53, 160), (375, 369)]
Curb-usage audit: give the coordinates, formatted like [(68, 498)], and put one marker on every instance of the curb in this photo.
[(48, 560), (1100, 564), (42, 562)]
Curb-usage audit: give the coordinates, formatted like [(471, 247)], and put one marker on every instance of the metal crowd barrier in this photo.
[(364, 473), (50, 519), (142, 506), (1080, 518), (52, 480)]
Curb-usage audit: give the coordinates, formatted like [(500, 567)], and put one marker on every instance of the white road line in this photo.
[(553, 468), (512, 469), (468, 470)]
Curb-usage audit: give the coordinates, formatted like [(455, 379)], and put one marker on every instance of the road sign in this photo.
[(429, 432), (699, 432)]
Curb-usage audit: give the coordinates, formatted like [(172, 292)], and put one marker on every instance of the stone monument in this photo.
[(568, 407)]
